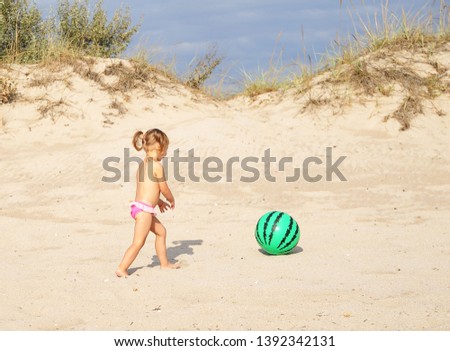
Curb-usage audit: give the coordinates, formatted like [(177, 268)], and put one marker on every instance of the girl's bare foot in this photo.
[(171, 266), (121, 273)]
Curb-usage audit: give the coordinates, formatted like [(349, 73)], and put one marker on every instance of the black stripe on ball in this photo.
[(288, 231), (291, 241), (257, 237), (260, 230), (266, 223), (274, 226)]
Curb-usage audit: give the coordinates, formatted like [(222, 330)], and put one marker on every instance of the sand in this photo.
[(374, 249)]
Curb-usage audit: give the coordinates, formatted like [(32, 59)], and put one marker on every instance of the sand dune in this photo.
[(373, 252)]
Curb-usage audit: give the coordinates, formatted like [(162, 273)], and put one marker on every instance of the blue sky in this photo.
[(246, 32)]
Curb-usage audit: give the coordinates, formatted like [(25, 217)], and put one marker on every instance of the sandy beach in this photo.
[(374, 249)]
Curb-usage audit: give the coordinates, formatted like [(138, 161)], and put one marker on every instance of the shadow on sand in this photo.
[(183, 247), (294, 251)]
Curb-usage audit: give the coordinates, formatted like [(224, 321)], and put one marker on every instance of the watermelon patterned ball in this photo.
[(277, 233)]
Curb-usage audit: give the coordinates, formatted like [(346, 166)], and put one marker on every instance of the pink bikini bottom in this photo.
[(138, 206)]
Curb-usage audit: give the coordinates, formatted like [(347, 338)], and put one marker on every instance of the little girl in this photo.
[(151, 182)]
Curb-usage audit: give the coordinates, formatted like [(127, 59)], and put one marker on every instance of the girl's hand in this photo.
[(172, 204), (163, 206)]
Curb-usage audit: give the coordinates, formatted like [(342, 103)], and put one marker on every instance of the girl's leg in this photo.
[(160, 244), (141, 229)]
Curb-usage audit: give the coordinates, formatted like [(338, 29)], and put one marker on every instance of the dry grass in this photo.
[(41, 81), (131, 75), (382, 75), (369, 79), (313, 102), (119, 106), (138, 75), (135, 74), (52, 109), (84, 68), (46, 79), (8, 90), (409, 107), (203, 68)]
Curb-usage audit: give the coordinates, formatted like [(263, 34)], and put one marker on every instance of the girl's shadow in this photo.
[(183, 247)]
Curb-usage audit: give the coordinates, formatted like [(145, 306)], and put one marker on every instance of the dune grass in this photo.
[(365, 62), (410, 31), (264, 81), (369, 63)]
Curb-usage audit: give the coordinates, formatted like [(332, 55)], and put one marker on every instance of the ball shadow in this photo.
[(294, 251)]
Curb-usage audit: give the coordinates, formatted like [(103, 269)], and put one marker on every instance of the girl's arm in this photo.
[(163, 206), (163, 186)]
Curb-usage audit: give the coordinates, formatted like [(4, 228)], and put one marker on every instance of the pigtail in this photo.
[(138, 140), (151, 137)]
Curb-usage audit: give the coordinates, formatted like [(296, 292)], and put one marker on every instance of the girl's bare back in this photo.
[(147, 189)]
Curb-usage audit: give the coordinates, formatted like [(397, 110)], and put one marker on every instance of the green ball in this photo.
[(277, 233)]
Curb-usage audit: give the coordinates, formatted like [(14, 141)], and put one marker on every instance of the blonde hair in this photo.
[(146, 140)]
